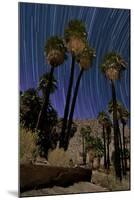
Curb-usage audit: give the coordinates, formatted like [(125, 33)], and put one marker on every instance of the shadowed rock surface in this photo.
[(38, 176)]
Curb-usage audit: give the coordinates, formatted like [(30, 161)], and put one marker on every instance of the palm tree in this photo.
[(30, 104), (85, 133), (94, 144), (108, 136), (56, 54), (103, 119), (85, 61), (46, 137), (75, 36), (112, 66), (44, 82)]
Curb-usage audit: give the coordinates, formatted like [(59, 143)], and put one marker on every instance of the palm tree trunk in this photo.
[(104, 139), (42, 115), (117, 163), (84, 161), (66, 110), (108, 158), (124, 145), (121, 151), (72, 109)]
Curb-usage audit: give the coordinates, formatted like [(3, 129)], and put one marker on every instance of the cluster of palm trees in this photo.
[(89, 141), (112, 66), (106, 121), (75, 44), (30, 105)]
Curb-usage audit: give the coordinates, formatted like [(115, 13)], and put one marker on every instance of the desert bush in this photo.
[(58, 157), (110, 182), (28, 148)]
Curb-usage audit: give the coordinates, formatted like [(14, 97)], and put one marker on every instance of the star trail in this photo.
[(108, 30)]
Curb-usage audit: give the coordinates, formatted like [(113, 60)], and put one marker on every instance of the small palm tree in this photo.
[(56, 54), (124, 115), (44, 82), (30, 104), (94, 144), (104, 120), (75, 36), (108, 126), (112, 66), (85, 134), (88, 54)]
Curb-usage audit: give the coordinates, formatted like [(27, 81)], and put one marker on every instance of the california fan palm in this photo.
[(105, 122), (84, 60), (44, 82), (75, 39), (112, 66), (56, 54), (101, 120)]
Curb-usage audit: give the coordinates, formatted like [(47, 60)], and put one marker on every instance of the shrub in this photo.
[(28, 148), (59, 157)]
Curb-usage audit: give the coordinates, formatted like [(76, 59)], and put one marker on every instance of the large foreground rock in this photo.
[(38, 176)]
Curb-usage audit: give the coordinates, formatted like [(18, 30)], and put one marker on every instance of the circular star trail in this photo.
[(108, 30)]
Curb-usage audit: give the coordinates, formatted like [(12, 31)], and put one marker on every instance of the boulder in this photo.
[(39, 176)]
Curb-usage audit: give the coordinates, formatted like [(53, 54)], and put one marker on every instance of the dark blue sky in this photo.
[(108, 30)]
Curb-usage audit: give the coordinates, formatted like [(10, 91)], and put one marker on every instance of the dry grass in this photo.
[(28, 148), (110, 182), (59, 157)]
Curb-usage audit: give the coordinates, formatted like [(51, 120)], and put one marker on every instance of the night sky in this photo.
[(108, 30)]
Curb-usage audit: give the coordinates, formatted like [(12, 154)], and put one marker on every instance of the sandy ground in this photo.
[(81, 187)]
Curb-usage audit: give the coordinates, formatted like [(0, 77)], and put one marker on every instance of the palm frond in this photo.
[(56, 43), (75, 28), (113, 60)]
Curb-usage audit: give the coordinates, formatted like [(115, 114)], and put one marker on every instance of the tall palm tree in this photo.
[(112, 66), (56, 54), (44, 82), (85, 61), (110, 109), (75, 36)]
